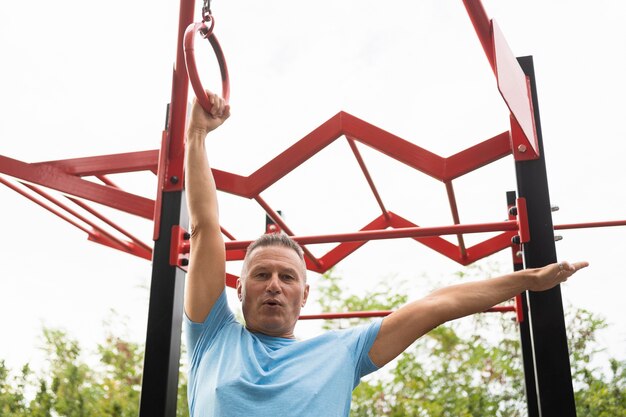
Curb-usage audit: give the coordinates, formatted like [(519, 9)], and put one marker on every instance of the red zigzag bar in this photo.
[(65, 176)]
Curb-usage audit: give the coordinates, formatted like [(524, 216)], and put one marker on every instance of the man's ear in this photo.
[(306, 295), (239, 289)]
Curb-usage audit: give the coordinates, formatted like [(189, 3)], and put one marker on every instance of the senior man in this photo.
[(259, 369)]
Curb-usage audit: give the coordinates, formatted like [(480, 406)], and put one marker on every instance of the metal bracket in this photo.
[(520, 211), (179, 248)]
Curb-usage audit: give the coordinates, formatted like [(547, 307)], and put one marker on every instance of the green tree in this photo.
[(68, 387), (599, 392), (12, 402), (471, 367)]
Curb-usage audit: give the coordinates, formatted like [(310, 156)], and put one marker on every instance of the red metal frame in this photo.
[(67, 176)]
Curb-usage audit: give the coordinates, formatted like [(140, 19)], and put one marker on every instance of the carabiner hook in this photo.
[(204, 30), (206, 11)]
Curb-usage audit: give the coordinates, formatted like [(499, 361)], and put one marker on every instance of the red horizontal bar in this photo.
[(590, 224), (382, 313), (367, 235), (436, 243), (341, 251), (347, 315)]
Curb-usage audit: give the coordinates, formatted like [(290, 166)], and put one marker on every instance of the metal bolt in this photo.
[(184, 262), (174, 179), (513, 211), (521, 148), (557, 238), (186, 236), (519, 253), (516, 240), (554, 208)]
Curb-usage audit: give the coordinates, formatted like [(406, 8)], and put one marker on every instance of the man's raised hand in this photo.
[(202, 122)]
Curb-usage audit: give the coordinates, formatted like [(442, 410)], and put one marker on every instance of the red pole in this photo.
[(455, 217), (279, 221), (346, 315), (381, 313), (412, 232), (482, 25), (44, 205), (590, 224), (110, 223), (175, 144), (368, 177)]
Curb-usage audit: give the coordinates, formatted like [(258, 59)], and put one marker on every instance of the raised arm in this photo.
[(415, 319), (207, 269)]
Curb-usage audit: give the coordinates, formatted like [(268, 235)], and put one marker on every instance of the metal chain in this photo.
[(206, 11)]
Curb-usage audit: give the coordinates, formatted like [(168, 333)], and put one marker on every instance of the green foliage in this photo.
[(12, 401), (599, 392), (69, 387), (472, 367), (332, 299)]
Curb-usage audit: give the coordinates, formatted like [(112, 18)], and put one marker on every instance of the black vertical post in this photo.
[(555, 393), (163, 339), (524, 333), (165, 315)]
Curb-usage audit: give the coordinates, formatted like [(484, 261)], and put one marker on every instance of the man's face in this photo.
[(273, 291)]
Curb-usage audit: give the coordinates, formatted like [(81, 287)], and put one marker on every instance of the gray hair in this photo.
[(273, 239)]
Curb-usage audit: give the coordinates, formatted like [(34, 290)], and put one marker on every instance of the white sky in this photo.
[(85, 79)]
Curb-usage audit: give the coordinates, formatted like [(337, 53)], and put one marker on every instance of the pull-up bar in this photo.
[(383, 313), (610, 223)]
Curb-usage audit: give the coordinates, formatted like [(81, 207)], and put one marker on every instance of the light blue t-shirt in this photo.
[(236, 373)]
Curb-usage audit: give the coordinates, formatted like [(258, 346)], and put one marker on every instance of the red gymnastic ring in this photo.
[(190, 61)]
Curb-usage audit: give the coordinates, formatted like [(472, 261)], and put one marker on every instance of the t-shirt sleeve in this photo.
[(202, 334), (361, 340)]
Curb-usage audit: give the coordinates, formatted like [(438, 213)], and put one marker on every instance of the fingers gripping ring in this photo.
[(190, 62)]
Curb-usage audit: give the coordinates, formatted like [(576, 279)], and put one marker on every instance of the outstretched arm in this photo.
[(207, 270), (415, 319)]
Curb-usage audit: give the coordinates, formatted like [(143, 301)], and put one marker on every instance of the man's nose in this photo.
[(273, 284)]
